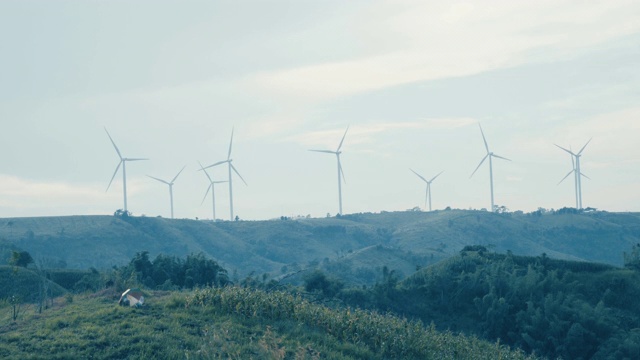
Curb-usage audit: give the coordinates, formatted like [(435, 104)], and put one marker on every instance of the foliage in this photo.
[(386, 336), (632, 259), (548, 307), (170, 272), (318, 281), (21, 258)]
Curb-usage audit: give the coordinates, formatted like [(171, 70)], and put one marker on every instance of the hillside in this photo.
[(227, 323), (359, 242), (554, 308)]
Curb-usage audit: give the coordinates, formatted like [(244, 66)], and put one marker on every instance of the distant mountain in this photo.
[(355, 246)]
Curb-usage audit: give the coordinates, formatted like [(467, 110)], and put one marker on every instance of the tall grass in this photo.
[(386, 336)]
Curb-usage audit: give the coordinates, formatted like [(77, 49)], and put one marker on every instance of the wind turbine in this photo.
[(213, 190), (575, 160), (428, 191), (231, 167), (340, 172), (170, 183), (489, 155), (123, 162)]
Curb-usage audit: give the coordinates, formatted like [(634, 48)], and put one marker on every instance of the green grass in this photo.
[(240, 324)]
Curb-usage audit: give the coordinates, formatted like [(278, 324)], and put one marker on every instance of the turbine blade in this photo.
[(585, 176), (134, 159), (341, 141), (481, 161), (566, 176), (114, 175), (325, 151), (230, 143), (420, 176), (569, 151), (435, 177), (174, 179), (155, 178), (216, 164), (585, 145), (205, 172), (236, 171), (114, 143), (500, 157), (486, 146), (573, 162), (206, 193), (341, 172)]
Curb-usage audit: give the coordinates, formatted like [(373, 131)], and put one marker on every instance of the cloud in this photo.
[(18, 195), (434, 41), (366, 133)]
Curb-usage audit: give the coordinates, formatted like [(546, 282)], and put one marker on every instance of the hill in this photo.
[(362, 243), (554, 308), (25, 284), (227, 323)]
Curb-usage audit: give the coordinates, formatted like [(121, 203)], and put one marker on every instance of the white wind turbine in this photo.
[(340, 172), (213, 190), (576, 170), (123, 162), (428, 191), (489, 155), (231, 167), (170, 183)]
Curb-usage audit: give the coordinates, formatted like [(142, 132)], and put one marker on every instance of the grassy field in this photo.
[(229, 323)]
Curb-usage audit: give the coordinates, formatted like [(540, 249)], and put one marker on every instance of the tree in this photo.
[(632, 259), (10, 225), (318, 281), (21, 258)]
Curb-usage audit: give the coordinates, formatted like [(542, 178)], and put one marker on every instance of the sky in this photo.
[(411, 80)]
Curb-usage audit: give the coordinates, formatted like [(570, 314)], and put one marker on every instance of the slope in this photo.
[(279, 247)]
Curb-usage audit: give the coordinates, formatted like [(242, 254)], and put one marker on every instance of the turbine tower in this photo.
[(123, 162), (340, 172), (212, 188), (489, 155), (170, 183), (231, 167), (428, 191), (575, 160)]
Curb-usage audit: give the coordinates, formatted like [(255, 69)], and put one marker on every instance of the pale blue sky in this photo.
[(412, 79)]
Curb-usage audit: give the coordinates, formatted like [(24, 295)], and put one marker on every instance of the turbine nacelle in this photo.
[(489, 155), (575, 169), (231, 168), (337, 152), (123, 161)]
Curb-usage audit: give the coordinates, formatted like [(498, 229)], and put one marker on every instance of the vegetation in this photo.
[(170, 272), (384, 336), (21, 258), (224, 323), (379, 278), (552, 308), (345, 246)]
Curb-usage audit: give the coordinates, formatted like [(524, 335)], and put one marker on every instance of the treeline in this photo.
[(170, 272), (551, 308), (162, 273)]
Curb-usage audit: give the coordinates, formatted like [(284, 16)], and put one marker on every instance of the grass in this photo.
[(187, 326)]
